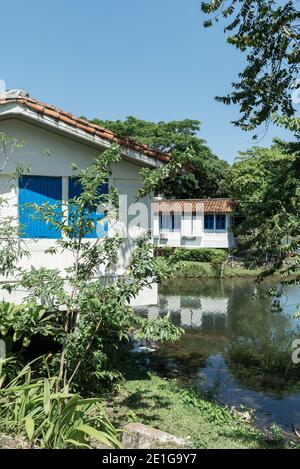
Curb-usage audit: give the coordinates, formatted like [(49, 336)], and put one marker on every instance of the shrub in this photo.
[(189, 254), (22, 322), (32, 408), (187, 269), (89, 322), (218, 266), (163, 251)]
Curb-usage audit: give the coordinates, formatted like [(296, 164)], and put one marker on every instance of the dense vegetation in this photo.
[(182, 411), (268, 32), (266, 180), (267, 183), (186, 254), (79, 331), (180, 139)]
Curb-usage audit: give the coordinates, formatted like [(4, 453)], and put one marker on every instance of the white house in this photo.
[(69, 140), (195, 223)]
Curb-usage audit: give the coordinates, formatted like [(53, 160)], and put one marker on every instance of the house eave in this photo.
[(17, 111)]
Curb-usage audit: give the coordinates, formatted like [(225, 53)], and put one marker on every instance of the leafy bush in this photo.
[(164, 251), (210, 411), (190, 254), (157, 329), (32, 408), (186, 269), (90, 319), (25, 321), (218, 266)]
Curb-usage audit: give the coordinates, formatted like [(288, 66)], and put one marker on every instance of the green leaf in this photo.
[(47, 401), (26, 342), (29, 427), (102, 437), (49, 432), (78, 444)]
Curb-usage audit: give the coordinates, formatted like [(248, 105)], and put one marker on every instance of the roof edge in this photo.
[(83, 125), (212, 205)]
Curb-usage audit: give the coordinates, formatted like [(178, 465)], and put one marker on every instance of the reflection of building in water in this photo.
[(192, 311)]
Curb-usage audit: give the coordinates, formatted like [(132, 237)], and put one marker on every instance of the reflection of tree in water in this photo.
[(204, 287), (259, 352), (190, 354)]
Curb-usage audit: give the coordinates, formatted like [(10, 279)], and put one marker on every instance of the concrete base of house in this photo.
[(148, 296)]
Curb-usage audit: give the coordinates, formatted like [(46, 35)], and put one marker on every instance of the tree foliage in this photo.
[(180, 139), (31, 408), (88, 316), (267, 183), (268, 31)]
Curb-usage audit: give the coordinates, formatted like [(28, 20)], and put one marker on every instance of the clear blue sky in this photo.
[(112, 58)]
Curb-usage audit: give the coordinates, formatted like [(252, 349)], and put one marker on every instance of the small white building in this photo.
[(68, 140), (194, 223)]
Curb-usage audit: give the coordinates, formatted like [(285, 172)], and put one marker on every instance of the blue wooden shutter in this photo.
[(209, 221), (172, 215), (160, 221), (75, 190), (220, 222), (39, 190), (193, 223)]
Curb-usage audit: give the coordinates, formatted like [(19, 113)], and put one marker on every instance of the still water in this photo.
[(236, 348)]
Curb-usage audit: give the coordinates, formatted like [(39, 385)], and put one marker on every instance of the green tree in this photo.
[(267, 183), (89, 317), (180, 139), (268, 31)]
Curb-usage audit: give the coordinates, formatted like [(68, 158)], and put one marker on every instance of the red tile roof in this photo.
[(195, 205), (82, 124)]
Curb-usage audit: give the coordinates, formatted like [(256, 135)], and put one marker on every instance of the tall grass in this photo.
[(31, 408)]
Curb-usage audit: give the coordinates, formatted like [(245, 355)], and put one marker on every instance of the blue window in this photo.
[(100, 229), (209, 221), (39, 190), (172, 221), (160, 221), (220, 222), (193, 224)]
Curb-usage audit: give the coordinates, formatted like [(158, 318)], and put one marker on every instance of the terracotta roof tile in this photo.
[(52, 113), (196, 205), (86, 126)]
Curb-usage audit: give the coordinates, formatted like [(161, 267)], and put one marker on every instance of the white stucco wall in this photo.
[(64, 151), (194, 235)]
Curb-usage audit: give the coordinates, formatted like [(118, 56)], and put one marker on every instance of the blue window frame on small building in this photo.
[(220, 222), (215, 222), (160, 215), (209, 221), (172, 215)]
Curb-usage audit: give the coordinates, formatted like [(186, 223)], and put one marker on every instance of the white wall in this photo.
[(198, 237), (64, 152)]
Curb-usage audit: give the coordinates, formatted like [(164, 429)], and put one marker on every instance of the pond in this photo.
[(236, 348)]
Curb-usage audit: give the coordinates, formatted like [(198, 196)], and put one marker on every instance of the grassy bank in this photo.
[(163, 404), (188, 269), (192, 269)]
